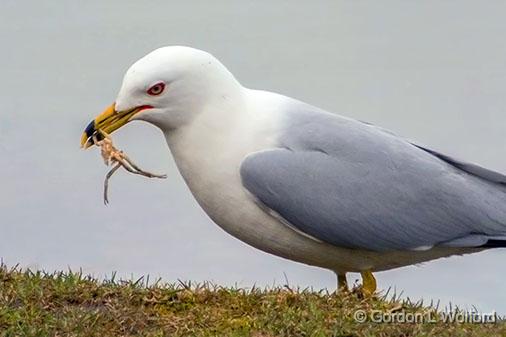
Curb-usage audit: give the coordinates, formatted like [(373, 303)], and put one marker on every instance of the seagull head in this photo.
[(168, 87)]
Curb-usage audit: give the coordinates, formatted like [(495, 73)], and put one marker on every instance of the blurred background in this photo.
[(432, 71)]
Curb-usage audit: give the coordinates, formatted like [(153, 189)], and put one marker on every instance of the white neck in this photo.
[(210, 150)]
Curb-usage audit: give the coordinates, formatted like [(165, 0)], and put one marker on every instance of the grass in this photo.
[(71, 304)]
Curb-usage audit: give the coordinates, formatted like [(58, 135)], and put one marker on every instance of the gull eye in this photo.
[(156, 89)]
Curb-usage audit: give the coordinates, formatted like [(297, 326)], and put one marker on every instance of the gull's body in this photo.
[(216, 183), (301, 183)]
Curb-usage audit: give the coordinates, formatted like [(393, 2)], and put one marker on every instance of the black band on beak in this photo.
[(90, 129), (92, 134)]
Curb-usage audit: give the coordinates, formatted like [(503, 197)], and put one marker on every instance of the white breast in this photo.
[(209, 152)]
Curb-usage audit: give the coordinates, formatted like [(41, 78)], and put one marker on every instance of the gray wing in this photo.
[(467, 167), (357, 186)]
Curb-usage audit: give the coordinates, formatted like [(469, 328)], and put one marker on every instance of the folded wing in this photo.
[(354, 185)]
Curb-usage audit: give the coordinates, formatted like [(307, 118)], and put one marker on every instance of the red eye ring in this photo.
[(156, 89)]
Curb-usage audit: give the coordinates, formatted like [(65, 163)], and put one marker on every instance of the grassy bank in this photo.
[(70, 304)]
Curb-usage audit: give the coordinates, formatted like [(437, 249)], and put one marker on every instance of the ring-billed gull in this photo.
[(301, 183)]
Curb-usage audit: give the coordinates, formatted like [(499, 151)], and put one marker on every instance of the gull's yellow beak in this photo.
[(108, 121)]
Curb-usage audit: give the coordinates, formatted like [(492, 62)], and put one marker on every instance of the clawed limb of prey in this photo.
[(117, 158)]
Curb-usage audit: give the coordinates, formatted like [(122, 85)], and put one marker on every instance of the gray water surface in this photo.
[(431, 71)]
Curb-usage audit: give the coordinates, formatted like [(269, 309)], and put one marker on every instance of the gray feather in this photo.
[(468, 167), (355, 185)]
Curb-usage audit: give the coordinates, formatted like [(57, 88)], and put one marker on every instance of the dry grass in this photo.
[(70, 304)]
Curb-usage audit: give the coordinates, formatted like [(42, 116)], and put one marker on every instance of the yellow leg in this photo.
[(342, 283), (368, 283)]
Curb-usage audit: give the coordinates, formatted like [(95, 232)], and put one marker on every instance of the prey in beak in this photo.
[(97, 133), (107, 122)]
